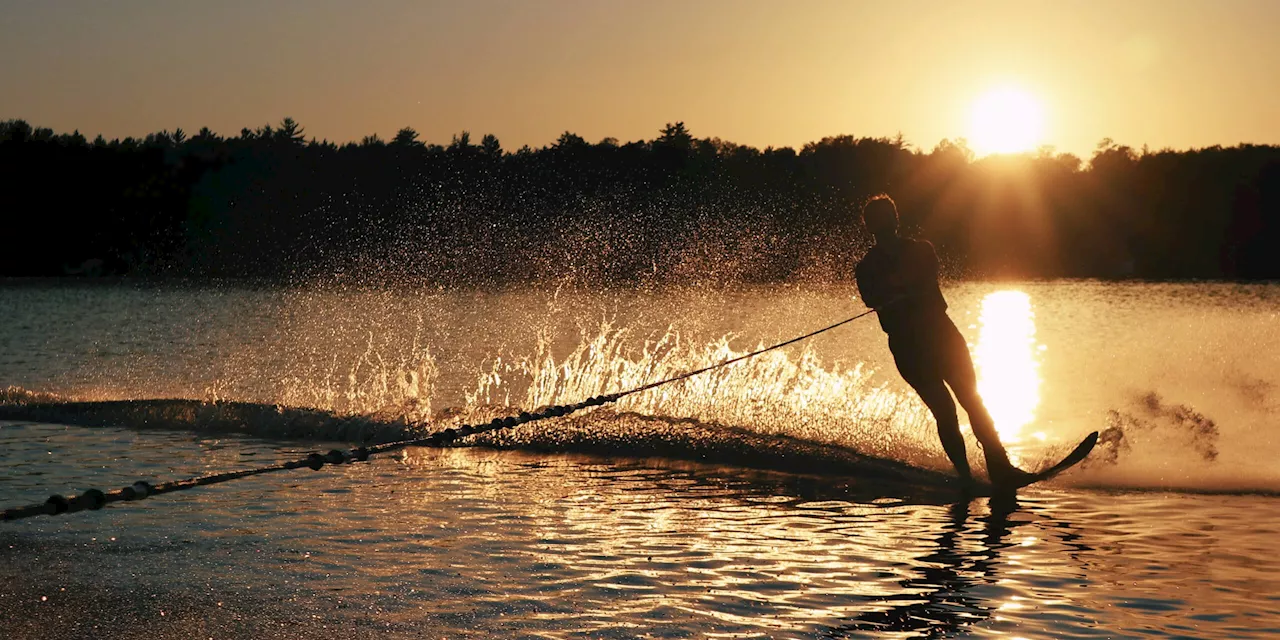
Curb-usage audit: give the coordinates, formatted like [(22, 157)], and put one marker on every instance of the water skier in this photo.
[(899, 279)]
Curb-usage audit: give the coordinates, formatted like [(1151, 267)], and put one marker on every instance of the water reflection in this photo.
[(475, 543), (1007, 361), (940, 601)]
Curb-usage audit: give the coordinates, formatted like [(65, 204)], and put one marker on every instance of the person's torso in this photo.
[(907, 273)]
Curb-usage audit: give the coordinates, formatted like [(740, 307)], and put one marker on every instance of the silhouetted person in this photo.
[(899, 279)]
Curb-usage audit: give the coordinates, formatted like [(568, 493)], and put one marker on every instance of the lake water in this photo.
[(735, 504)]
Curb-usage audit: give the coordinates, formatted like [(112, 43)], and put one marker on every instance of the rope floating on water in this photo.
[(94, 499)]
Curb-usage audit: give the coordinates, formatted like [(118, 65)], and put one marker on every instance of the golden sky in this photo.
[(1167, 73)]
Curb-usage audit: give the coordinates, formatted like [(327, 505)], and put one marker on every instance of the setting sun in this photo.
[(1005, 120)]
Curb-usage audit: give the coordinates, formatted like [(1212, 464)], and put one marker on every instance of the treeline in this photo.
[(270, 203)]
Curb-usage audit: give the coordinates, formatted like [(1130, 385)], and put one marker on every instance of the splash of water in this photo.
[(775, 393), (395, 386)]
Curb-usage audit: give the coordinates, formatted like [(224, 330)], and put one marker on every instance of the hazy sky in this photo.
[(1174, 73)]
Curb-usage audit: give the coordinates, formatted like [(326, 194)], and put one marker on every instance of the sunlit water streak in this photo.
[(1006, 361)]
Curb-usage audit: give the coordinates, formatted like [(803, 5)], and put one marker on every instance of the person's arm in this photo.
[(918, 271), (870, 290), (931, 264)]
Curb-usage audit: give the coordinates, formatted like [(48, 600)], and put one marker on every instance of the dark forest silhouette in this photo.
[(270, 203)]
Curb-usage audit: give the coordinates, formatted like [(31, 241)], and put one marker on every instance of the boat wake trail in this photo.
[(221, 417), (603, 432), (1124, 458)]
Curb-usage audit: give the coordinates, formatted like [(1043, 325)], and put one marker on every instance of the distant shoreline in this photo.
[(271, 204)]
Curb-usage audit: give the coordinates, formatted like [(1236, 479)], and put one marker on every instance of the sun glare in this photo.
[(1005, 120)]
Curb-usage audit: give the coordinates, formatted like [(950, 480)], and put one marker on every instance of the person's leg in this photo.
[(938, 399), (959, 373), (919, 369)]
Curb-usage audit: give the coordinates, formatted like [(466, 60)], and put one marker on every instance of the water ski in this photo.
[(1078, 454)]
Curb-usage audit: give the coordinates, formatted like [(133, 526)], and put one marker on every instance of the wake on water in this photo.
[(778, 413), (603, 432)]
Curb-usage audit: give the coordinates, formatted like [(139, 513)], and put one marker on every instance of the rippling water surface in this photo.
[(474, 543), (729, 507)]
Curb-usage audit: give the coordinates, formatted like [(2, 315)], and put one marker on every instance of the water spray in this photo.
[(94, 499)]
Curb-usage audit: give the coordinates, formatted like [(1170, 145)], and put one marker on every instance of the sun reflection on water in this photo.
[(1007, 364)]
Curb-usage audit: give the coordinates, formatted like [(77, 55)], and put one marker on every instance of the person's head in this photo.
[(880, 216)]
